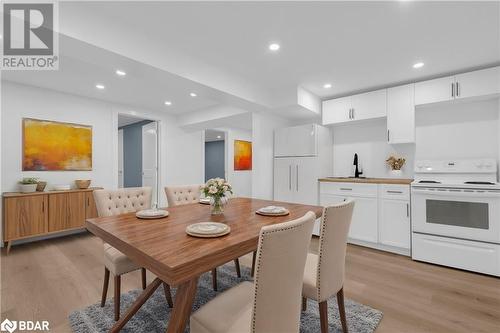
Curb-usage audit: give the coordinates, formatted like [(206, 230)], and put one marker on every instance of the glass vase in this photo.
[(217, 204)]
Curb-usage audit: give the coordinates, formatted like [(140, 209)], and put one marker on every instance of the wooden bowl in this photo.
[(82, 183)]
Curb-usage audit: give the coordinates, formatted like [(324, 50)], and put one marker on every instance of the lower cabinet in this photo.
[(381, 216), (36, 214)]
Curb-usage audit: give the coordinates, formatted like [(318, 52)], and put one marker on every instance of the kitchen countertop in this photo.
[(398, 181)]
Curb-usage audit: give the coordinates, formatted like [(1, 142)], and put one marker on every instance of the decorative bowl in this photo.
[(82, 183)]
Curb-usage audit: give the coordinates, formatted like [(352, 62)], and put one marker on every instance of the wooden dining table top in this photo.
[(163, 247)]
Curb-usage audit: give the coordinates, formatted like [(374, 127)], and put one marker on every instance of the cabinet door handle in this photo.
[(290, 177), (457, 89), (388, 136), (353, 115), (345, 189), (297, 178), (43, 206), (396, 192), (407, 210), (350, 113), (453, 89)]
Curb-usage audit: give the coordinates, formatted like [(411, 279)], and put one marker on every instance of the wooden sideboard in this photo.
[(41, 213)]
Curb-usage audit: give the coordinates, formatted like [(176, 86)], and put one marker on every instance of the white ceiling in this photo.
[(353, 45), (219, 49)]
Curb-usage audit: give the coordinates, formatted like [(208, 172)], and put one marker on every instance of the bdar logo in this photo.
[(9, 326)]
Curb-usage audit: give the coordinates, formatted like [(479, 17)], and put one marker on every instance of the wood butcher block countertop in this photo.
[(398, 181)]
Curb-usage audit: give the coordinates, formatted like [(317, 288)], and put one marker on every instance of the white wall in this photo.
[(263, 159), (369, 140), (458, 130), (181, 151)]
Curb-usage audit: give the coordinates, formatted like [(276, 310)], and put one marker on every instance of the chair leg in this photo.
[(254, 256), (237, 264), (323, 316), (117, 296), (143, 278), (214, 279), (168, 295), (340, 302), (105, 287), (304, 304)]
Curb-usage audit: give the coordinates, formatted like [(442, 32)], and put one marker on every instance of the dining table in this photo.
[(163, 247)]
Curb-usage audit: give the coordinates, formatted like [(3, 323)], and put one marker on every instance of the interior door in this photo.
[(150, 159), (283, 179), (120, 158)]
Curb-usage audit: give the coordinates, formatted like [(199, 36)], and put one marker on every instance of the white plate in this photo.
[(272, 210), (207, 229), (151, 214), (205, 201)]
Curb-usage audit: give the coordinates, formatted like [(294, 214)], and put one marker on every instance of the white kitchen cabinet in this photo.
[(296, 141), (433, 91), (364, 220), (401, 114), (478, 83), (336, 111), (369, 105), (394, 228)]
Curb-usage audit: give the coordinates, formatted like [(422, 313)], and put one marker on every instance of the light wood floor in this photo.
[(49, 279)]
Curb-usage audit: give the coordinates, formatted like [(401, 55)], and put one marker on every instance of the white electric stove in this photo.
[(456, 214)]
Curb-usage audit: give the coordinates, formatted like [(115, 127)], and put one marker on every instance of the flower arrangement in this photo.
[(395, 163), (28, 185), (217, 189), (29, 181)]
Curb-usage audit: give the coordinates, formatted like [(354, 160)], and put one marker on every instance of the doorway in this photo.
[(215, 154), (138, 153)]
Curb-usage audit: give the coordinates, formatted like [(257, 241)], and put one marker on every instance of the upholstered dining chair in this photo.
[(270, 304), (116, 202), (187, 194), (324, 273)]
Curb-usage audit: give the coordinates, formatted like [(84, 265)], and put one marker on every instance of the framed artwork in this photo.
[(55, 146), (242, 155)]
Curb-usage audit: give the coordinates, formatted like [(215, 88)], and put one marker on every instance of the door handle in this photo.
[(345, 189), (457, 89), (395, 192), (452, 89), (388, 136), (290, 177), (353, 115), (350, 113), (297, 178), (407, 210)]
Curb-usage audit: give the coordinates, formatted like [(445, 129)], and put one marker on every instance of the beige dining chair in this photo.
[(116, 202), (187, 194), (324, 273), (272, 302)]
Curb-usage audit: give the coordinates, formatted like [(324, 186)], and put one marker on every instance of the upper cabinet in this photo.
[(401, 114), (357, 107), (296, 141), (473, 84)]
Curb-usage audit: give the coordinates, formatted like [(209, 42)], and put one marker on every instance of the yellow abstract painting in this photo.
[(242, 155), (56, 146)]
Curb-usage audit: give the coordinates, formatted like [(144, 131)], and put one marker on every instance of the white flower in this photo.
[(220, 181), (212, 189), (224, 188)]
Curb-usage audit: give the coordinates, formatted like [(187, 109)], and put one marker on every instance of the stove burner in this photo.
[(480, 183), (429, 182)]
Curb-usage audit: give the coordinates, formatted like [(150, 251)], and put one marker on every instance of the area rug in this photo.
[(155, 313)]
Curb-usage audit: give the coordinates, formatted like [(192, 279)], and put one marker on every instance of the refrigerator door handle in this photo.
[(290, 177), (297, 178)]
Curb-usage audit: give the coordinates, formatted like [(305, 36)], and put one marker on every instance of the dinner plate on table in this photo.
[(273, 211), (207, 229), (151, 214), (205, 201)]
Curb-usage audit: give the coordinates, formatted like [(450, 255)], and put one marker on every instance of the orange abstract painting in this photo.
[(242, 155), (55, 146)]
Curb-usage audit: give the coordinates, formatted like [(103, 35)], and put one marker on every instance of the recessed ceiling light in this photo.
[(192, 94), (327, 85), (274, 47), (168, 103), (100, 86), (218, 136), (119, 72), (418, 65)]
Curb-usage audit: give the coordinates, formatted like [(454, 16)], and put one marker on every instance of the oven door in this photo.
[(461, 213)]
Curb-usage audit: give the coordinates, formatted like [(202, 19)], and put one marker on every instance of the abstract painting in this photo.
[(55, 146), (242, 155)]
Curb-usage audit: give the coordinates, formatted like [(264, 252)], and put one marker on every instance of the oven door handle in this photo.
[(458, 194)]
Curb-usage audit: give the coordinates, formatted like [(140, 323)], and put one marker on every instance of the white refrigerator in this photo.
[(302, 154)]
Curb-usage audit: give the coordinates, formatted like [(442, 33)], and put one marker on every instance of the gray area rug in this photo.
[(155, 313)]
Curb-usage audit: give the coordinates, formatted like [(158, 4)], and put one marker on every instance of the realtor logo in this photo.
[(8, 326), (29, 38)]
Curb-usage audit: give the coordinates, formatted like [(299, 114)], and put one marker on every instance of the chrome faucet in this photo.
[(357, 172)]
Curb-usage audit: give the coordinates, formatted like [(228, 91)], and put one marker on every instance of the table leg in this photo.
[(184, 298), (146, 294)]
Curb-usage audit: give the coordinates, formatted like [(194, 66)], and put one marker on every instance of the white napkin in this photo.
[(272, 209)]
